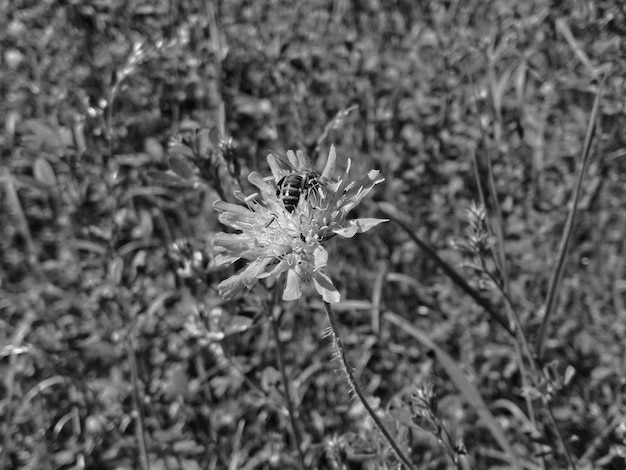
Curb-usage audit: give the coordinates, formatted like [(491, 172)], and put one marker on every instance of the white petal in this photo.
[(293, 286), (325, 288), (358, 226), (225, 259), (246, 278), (231, 287), (260, 182), (254, 270), (320, 256), (224, 206), (279, 269), (277, 167), (329, 169)]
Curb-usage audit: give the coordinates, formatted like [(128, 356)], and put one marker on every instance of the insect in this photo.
[(298, 178), (291, 187)]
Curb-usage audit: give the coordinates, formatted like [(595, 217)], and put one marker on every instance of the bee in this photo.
[(301, 179), (291, 187)]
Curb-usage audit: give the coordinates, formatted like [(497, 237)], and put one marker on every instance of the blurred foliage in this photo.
[(105, 257)]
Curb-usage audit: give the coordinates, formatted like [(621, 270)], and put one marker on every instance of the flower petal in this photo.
[(238, 217), (280, 268), (260, 182), (293, 286), (358, 226), (278, 167), (231, 287), (331, 163), (320, 256), (233, 246), (325, 288), (230, 241), (223, 206), (356, 191), (246, 278), (225, 259)]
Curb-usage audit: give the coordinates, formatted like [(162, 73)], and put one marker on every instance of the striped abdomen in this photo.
[(289, 190)]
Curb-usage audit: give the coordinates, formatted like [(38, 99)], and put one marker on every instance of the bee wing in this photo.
[(301, 162), (295, 159), (279, 166)]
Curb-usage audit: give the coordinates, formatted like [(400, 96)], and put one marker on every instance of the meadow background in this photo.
[(116, 351)]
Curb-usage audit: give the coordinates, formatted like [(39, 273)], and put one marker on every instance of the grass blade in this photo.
[(557, 274)]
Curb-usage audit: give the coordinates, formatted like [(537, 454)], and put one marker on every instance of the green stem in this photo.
[(357, 389), (559, 435)]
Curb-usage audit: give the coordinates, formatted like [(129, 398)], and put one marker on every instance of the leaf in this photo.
[(115, 270), (43, 172), (203, 142), (190, 464), (188, 446), (153, 148), (38, 136), (23, 180), (498, 88), (180, 149), (238, 324), (180, 166), (177, 382), (95, 347), (135, 160), (168, 180)]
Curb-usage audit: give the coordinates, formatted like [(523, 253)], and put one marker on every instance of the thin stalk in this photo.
[(448, 270), (557, 274), (295, 430), (491, 185), (512, 314), (528, 400), (140, 428), (522, 346), (559, 435), (357, 389), (499, 224)]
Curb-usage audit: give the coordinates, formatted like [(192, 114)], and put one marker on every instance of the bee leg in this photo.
[(279, 185)]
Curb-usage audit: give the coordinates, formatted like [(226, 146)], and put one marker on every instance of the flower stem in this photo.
[(357, 389), (290, 408)]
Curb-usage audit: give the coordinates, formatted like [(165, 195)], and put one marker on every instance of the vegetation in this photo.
[(483, 324)]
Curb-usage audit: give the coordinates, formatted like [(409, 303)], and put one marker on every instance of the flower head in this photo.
[(276, 239)]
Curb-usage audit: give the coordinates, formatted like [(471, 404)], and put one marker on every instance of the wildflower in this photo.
[(275, 240)]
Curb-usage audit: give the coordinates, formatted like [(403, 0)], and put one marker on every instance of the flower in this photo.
[(275, 240)]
